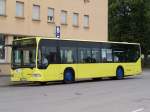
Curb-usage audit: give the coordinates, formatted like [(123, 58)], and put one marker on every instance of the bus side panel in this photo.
[(133, 68), (53, 72), (96, 70), (129, 68)]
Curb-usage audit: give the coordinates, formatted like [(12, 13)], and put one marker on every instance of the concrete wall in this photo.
[(96, 9)]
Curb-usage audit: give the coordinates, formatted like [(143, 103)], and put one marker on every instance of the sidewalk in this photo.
[(4, 80)]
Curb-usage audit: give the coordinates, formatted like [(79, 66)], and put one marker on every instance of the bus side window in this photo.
[(104, 55), (116, 59), (95, 55), (133, 54), (109, 55), (119, 55), (50, 53), (84, 55), (88, 56), (52, 56), (80, 55), (68, 55)]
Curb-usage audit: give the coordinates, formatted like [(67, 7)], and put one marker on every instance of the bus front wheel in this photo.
[(69, 76), (119, 73)]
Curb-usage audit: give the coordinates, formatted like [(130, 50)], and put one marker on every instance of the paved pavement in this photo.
[(5, 80), (129, 95)]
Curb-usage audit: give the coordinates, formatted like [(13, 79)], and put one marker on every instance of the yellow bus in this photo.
[(39, 59)]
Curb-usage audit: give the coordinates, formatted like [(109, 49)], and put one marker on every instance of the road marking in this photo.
[(139, 110)]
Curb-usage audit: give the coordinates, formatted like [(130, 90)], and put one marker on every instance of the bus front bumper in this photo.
[(31, 78)]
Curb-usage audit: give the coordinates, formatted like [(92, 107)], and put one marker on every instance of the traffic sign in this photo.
[(57, 31)]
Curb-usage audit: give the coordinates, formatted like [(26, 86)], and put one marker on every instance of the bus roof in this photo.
[(79, 40)]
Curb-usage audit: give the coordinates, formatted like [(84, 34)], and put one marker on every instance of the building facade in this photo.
[(77, 19)]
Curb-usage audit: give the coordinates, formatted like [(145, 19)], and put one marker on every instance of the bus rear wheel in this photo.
[(69, 76), (119, 73)]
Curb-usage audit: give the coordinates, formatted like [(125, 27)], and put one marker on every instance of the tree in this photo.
[(129, 20)]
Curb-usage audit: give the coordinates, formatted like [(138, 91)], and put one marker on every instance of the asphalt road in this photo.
[(129, 95)]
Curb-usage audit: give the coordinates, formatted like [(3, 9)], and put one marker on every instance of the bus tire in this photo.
[(119, 73), (69, 76)]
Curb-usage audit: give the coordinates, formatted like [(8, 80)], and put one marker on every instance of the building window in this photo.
[(75, 19), (50, 17), (2, 7), (2, 51), (86, 21), (36, 12), (19, 9), (64, 17)]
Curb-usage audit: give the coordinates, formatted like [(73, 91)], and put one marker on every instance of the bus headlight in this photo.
[(36, 75)]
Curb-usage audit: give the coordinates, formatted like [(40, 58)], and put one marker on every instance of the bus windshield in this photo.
[(24, 54)]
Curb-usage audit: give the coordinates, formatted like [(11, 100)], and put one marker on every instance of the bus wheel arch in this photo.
[(69, 75), (120, 72)]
